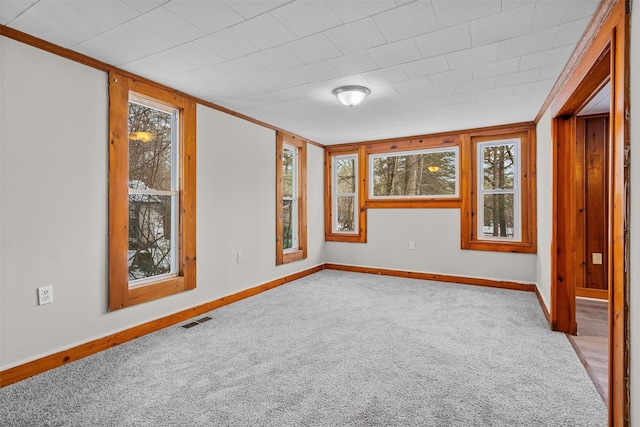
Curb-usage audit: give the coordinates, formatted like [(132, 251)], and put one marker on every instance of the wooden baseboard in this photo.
[(602, 294), (543, 306), (22, 372), (529, 287)]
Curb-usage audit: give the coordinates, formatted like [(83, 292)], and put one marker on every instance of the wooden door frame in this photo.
[(605, 58)]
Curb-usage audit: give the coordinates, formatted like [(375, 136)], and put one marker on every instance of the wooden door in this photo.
[(592, 175)]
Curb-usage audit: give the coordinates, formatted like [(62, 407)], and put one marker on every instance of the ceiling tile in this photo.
[(396, 53), (496, 68), (407, 21), (187, 83), (166, 24), (356, 36), (163, 60), (145, 69), (557, 12), (386, 75), (512, 4), (475, 85), (555, 56), (458, 99), (542, 86), (58, 23), (304, 18), (108, 12), (195, 54), (227, 44), (437, 92), (264, 31), (313, 49), (518, 78), (109, 50), (354, 64), (494, 93), (451, 77), (474, 56), (276, 59), (451, 13), (424, 67), (287, 78), (9, 9), (571, 33), (550, 72), (530, 43), (318, 72), (252, 8), (132, 34), (209, 16), (444, 41), (144, 6), (354, 10), (502, 26), (231, 71)]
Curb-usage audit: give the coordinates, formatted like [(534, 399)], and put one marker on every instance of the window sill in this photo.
[(293, 256), (413, 203), (501, 246)]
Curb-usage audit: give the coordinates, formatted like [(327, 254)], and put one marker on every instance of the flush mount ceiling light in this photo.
[(351, 95)]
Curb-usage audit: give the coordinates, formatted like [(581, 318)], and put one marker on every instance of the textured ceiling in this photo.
[(431, 66)]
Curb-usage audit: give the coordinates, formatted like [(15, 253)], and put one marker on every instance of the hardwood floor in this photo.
[(592, 342)]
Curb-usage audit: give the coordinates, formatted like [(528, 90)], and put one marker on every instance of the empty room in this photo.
[(319, 212)]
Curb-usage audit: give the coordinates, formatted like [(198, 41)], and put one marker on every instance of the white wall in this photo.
[(544, 174), (634, 286), (436, 233), (53, 207)]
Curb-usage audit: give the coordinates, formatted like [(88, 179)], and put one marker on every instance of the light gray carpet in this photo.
[(331, 349)]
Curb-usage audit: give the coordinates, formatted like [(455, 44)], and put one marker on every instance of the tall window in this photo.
[(499, 190), (291, 195), (345, 193), (498, 211), (151, 193), (289, 198)]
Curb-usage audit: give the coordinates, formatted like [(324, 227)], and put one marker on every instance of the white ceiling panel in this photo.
[(354, 10), (407, 21), (307, 17), (396, 53), (444, 41), (356, 36), (450, 13), (431, 65), (209, 16), (313, 48), (264, 31), (502, 26), (227, 44)]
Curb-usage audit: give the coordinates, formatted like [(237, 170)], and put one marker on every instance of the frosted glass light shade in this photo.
[(351, 95)]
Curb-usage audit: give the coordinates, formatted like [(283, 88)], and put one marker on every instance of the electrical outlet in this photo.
[(239, 257), (45, 295), (412, 245)]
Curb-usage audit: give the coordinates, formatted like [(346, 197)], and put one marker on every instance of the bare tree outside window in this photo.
[(152, 190), (289, 211), (423, 174), (345, 193), (499, 185)]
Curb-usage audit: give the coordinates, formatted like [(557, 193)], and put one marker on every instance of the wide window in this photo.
[(291, 194), (414, 174), (498, 212), (151, 193)]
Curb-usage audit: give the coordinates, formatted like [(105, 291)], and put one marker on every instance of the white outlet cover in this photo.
[(45, 295)]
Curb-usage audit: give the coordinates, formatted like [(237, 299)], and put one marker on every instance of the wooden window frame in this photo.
[(282, 256), (470, 202), (121, 295), (412, 144), (360, 236)]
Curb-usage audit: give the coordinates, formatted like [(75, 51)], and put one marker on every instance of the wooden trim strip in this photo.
[(29, 369), (103, 66), (504, 284)]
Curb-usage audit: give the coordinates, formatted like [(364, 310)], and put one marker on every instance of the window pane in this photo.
[(287, 171), (498, 168), (149, 148), (345, 173), (346, 214), (287, 224), (150, 228), (499, 213), (424, 174)]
